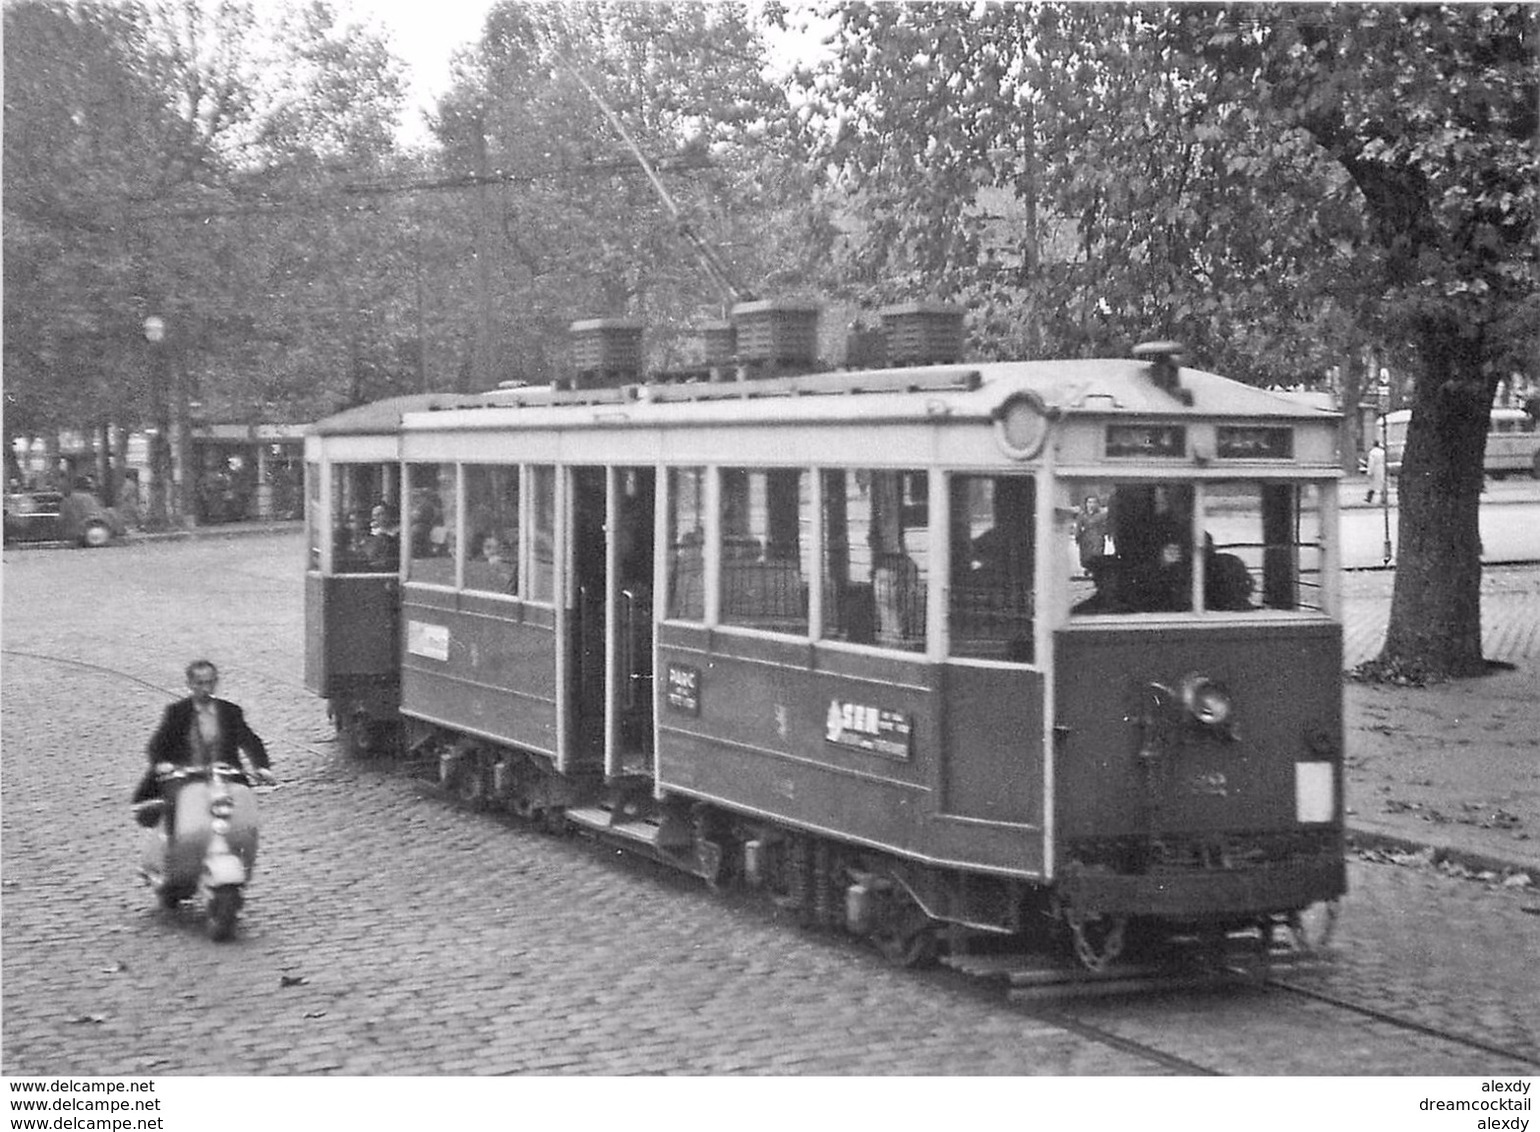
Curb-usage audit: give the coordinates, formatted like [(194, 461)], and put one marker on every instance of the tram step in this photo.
[(1113, 984), (602, 820)]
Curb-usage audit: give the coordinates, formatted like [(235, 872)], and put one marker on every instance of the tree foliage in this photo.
[(177, 160), (83, 124), (1433, 115), (1260, 181), (1275, 185), (1077, 188), (564, 223)]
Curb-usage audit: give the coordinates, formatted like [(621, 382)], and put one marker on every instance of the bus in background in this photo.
[(1513, 442)]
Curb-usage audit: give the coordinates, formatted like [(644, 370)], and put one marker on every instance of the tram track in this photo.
[(1408, 1024), (1104, 1008), (1109, 1009), (1072, 1003), (286, 683)]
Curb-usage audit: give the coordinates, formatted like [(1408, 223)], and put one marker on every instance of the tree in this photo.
[(1076, 190), (561, 220), (83, 124), (180, 160), (1232, 177), (1433, 113)]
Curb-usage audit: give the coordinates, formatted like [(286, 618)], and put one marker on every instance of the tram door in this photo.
[(586, 624), (631, 640), (610, 687)]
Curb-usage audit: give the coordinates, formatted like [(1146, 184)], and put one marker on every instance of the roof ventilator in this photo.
[(606, 353), (1165, 359), (776, 337), (923, 334)]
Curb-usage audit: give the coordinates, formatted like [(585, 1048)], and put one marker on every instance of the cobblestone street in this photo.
[(387, 932)]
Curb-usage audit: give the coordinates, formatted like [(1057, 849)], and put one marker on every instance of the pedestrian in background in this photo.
[(1376, 469), (1091, 531)]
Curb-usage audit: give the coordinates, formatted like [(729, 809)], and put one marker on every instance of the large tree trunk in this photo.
[(1435, 611)]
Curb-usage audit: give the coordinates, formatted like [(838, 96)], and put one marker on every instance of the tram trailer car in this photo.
[(929, 652)]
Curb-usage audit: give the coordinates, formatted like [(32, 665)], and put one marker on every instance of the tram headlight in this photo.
[(1207, 701)]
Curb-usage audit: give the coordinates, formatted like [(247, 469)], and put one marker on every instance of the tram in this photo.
[(935, 652)]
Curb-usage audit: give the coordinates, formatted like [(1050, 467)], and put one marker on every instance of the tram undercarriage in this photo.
[(912, 913)]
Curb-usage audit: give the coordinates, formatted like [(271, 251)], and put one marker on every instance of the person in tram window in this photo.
[(1109, 596), (384, 544), (495, 566)]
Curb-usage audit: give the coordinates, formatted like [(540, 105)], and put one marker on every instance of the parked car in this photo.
[(52, 516)]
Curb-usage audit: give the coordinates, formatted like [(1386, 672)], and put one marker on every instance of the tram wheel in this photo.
[(354, 734), (907, 937), (710, 863), (522, 806), (470, 785)]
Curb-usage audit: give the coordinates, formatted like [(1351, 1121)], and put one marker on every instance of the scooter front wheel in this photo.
[(224, 906)]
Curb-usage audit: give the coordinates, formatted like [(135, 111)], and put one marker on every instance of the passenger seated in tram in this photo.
[(991, 595), (494, 567), (1227, 584), (384, 544), (352, 546), (1108, 598), (1164, 584), (426, 515)]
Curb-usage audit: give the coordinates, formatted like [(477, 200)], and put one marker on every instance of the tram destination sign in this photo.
[(1147, 441), (1255, 442)]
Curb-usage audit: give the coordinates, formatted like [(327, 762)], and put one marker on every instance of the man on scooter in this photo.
[(200, 730)]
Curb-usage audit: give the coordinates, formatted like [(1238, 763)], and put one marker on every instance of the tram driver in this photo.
[(1151, 570)]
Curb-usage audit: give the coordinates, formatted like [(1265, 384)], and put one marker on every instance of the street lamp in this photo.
[(160, 453)]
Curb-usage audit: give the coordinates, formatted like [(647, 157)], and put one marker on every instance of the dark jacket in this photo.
[(171, 742)]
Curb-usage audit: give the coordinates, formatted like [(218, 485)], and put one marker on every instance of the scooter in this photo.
[(214, 849)]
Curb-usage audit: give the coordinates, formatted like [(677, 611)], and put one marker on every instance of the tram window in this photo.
[(992, 550), (1262, 548), (1147, 562), (357, 489), (764, 577), (492, 528), (1274, 532), (686, 544), (541, 583), (313, 533), (875, 550), (429, 523)]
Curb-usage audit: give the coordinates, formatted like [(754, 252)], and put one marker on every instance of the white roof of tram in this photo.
[(1099, 388)]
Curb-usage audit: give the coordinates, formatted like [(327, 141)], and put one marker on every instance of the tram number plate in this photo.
[(868, 728), (683, 689)]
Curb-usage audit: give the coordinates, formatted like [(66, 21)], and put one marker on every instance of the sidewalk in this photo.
[(1448, 773)]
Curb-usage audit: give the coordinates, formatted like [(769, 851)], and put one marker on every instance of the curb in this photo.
[(1467, 859), (187, 534)]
